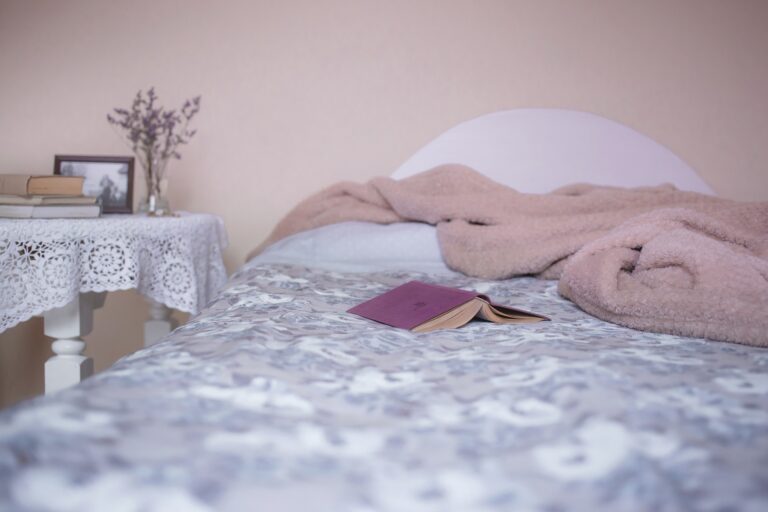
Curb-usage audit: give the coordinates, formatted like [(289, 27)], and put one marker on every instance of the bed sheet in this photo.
[(273, 398)]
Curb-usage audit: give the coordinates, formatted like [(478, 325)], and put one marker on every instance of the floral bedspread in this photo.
[(274, 398)]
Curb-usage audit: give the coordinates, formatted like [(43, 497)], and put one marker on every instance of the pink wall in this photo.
[(300, 94)]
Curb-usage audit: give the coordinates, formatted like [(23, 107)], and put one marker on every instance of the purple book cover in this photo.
[(412, 304)]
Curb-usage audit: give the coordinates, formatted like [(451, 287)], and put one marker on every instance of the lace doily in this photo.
[(45, 263)]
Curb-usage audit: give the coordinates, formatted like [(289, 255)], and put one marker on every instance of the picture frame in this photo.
[(108, 177)]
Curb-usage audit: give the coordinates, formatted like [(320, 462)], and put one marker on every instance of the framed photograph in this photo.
[(109, 178)]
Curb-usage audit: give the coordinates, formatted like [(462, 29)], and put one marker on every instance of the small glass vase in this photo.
[(155, 205), (155, 202)]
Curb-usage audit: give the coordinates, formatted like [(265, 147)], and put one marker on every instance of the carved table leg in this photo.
[(67, 325), (159, 325)]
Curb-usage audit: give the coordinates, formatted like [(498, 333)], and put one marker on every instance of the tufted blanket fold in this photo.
[(652, 258)]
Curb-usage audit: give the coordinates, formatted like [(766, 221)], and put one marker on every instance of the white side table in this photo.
[(62, 268)]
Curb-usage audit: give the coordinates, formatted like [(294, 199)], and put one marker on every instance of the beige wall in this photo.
[(300, 94)]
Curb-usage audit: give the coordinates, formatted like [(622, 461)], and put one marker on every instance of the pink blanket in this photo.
[(655, 258)]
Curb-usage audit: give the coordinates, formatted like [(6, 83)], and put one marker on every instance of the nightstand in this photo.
[(62, 269)]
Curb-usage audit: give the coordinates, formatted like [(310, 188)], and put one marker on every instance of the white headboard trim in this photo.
[(538, 149)]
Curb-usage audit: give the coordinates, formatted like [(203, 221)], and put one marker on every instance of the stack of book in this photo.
[(45, 197)]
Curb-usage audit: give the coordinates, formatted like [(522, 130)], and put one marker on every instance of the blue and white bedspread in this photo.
[(275, 399)]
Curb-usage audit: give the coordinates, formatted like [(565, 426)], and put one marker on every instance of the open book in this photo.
[(423, 307)]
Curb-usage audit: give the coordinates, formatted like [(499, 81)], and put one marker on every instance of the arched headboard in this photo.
[(538, 149)]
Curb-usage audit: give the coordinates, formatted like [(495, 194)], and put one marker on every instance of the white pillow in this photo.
[(360, 247)]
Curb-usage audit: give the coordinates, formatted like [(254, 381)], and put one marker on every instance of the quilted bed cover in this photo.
[(274, 398)]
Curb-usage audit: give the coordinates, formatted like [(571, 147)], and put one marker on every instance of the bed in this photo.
[(274, 398)]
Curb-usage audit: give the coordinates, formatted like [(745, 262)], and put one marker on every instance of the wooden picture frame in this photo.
[(108, 177)]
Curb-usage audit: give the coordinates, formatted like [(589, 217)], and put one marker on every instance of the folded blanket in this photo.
[(488, 230), (676, 271)]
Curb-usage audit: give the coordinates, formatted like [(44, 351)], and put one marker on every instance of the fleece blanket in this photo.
[(653, 258)]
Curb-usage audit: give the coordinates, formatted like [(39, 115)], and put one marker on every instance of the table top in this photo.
[(44, 263)]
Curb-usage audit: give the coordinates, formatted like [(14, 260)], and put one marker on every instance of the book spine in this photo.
[(13, 185), (16, 211), (55, 185)]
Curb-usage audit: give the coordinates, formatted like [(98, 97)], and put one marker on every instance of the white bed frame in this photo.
[(538, 149)]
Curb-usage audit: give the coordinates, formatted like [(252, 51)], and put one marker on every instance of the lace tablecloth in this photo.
[(45, 263)]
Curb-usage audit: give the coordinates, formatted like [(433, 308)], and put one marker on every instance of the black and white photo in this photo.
[(110, 178)]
